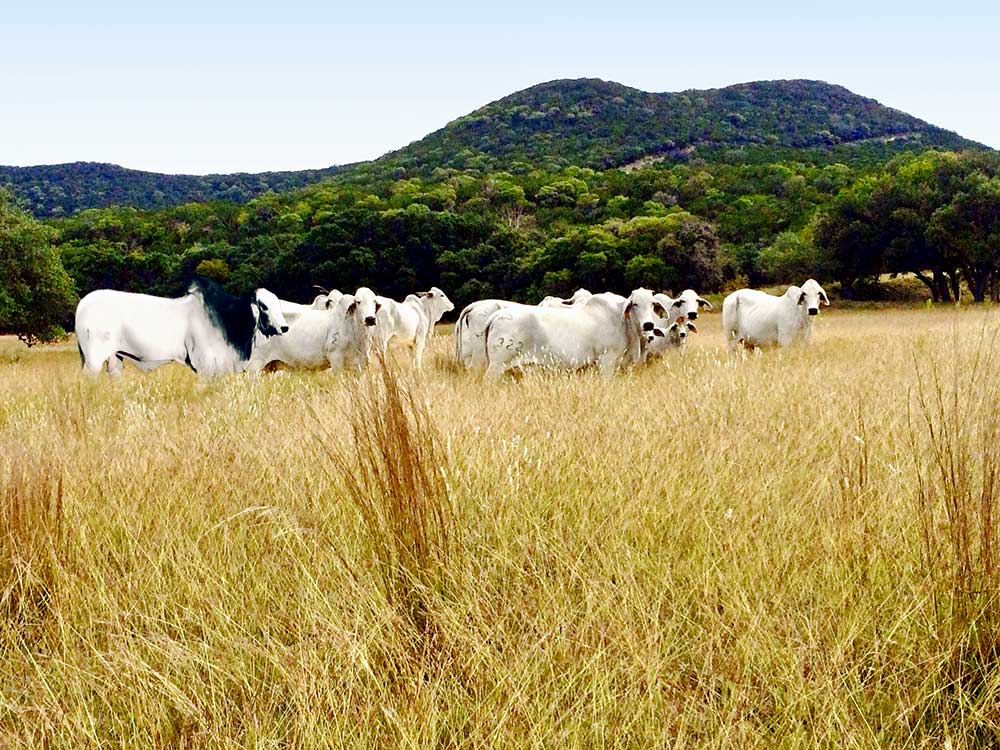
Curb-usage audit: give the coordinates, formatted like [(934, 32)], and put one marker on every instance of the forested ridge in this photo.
[(491, 225), (63, 189), (585, 122), (600, 124)]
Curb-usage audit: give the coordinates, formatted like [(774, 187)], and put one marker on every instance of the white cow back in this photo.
[(470, 331), (303, 346), (602, 330)]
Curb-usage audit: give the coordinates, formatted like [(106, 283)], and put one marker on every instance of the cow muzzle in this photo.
[(814, 311), (693, 315), (284, 329), (370, 320), (647, 326)]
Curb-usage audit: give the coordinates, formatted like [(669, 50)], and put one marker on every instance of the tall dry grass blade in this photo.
[(32, 536), (954, 435), (394, 476)]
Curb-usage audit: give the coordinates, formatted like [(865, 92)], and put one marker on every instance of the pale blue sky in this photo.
[(198, 87)]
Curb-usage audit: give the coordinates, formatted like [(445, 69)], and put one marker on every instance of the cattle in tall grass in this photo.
[(754, 318), (605, 330), (412, 321), (209, 330)]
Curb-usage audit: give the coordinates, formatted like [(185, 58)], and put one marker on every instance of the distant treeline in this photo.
[(710, 226), (523, 236), (64, 189)]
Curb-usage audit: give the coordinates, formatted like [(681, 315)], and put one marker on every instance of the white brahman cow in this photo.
[(349, 335), (667, 337), (209, 330), (339, 336), (605, 330), (688, 304), (470, 328), (412, 321), (754, 318), (302, 346)]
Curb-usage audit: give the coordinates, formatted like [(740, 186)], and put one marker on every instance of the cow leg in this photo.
[(335, 360), (786, 336), (115, 365), (92, 365), (495, 370), (91, 369), (255, 366), (608, 364), (418, 352)]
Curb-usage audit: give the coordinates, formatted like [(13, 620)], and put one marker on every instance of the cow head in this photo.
[(672, 336), (689, 304), (436, 303), (644, 310), (811, 295), (367, 305), (267, 315), (656, 341)]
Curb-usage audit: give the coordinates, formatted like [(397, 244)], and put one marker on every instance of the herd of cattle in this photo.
[(213, 332)]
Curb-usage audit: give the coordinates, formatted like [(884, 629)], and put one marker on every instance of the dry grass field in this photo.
[(792, 549)]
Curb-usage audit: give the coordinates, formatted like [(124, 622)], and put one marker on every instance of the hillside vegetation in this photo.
[(781, 551), (598, 124), (63, 189), (586, 123)]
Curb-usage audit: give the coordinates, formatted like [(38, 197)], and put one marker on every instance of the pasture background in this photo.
[(702, 553)]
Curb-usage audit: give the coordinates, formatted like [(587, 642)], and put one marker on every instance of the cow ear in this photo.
[(351, 308), (629, 304), (659, 332), (378, 305), (826, 300), (802, 299), (691, 327), (704, 303)]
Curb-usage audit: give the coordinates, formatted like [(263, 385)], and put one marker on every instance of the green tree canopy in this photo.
[(36, 293)]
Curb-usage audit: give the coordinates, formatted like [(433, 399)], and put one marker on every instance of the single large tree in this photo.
[(36, 293), (968, 229)]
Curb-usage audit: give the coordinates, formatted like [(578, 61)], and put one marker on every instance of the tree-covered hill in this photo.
[(62, 189), (586, 123), (599, 124)]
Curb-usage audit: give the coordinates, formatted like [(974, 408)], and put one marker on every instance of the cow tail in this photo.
[(83, 360), (486, 342), (463, 318), (732, 333)]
